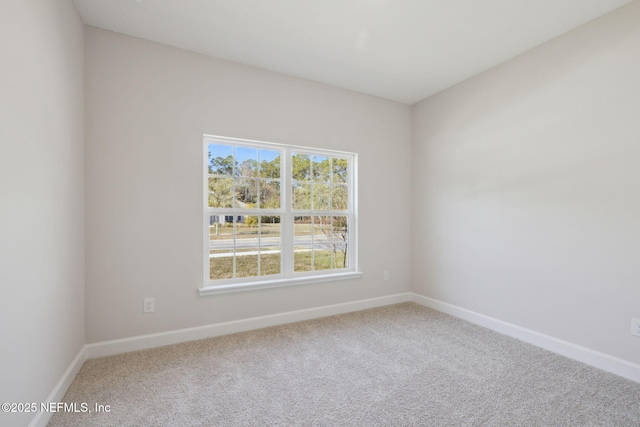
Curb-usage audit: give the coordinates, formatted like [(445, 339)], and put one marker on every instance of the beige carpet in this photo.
[(402, 365)]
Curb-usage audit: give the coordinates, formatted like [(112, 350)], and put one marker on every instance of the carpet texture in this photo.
[(401, 365)]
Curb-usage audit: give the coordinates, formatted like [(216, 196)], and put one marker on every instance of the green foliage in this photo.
[(246, 191), (301, 196), (269, 194), (270, 169), (251, 221), (248, 168), (301, 167), (270, 220), (222, 165), (340, 168), (245, 179), (321, 195), (321, 169), (339, 199), (220, 192), (319, 182)]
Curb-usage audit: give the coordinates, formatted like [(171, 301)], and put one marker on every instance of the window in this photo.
[(277, 215)]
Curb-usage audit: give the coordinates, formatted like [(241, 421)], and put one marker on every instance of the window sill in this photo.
[(266, 284)]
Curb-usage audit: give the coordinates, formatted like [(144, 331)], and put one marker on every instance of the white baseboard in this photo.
[(142, 342), (42, 418), (586, 355)]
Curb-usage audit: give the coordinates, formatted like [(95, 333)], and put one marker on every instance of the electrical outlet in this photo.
[(386, 275), (149, 305), (635, 327)]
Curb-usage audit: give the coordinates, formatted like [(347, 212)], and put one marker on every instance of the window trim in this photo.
[(277, 283), (290, 277)]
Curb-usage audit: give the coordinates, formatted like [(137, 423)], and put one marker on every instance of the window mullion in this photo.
[(287, 226)]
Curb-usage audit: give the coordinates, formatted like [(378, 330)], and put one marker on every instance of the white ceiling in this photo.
[(404, 50)]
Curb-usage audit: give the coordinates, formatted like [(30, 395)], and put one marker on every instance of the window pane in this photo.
[(269, 194), (246, 193), (270, 261), (320, 168), (270, 231), (302, 259), (323, 258), (221, 160), (220, 192), (340, 238), (339, 168), (321, 196), (247, 246), (339, 199), (246, 263), (303, 241), (301, 167), (322, 228), (322, 247), (302, 229), (341, 258), (221, 228), (247, 161), (247, 231), (301, 196), (269, 164), (221, 264), (221, 247), (270, 245), (270, 249)]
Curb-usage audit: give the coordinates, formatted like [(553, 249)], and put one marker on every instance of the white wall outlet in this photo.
[(149, 305), (635, 327), (386, 275)]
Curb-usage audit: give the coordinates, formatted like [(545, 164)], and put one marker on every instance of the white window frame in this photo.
[(287, 276)]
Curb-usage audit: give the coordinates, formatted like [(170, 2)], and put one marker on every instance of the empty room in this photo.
[(320, 212)]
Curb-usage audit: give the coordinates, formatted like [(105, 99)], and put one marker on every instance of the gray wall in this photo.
[(526, 205), (148, 106), (41, 198)]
